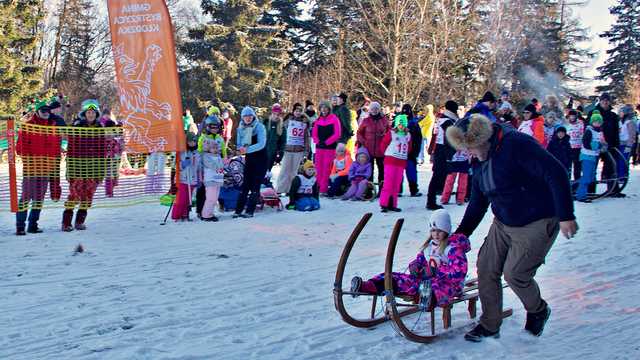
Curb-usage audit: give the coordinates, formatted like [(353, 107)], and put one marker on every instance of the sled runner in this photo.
[(412, 317)]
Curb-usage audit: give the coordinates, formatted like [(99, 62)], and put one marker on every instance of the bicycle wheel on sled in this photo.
[(419, 326), (374, 317)]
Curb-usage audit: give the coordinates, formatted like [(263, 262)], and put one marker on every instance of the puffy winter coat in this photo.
[(448, 281), (341, 165), (358, 170), (561, 149), (371, 132), (522, 181), (86, 150), (39, 145), (344, 115), (326, 132)]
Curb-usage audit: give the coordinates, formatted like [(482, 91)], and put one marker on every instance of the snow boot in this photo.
[(434, 207), (20, 231), (81, 216), (356, 284), (33, 228), (67, 216), (536, 321), (479, 333), (413, 189)]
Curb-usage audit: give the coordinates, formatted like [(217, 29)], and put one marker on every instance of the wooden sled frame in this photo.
[(396, 307)]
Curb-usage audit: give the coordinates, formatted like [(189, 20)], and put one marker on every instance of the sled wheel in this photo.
[(622, 175), (419, 327), (339, 293)]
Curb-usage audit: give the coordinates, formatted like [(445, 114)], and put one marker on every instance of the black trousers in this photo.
[(379, 164), (438, 178), (254, 171), (576, 164)]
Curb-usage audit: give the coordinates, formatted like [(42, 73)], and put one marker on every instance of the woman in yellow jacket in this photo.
[(426, 126)]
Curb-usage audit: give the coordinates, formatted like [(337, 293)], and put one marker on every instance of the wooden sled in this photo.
[(401, 310)]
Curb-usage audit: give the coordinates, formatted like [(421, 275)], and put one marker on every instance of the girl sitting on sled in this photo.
[(442, 259)]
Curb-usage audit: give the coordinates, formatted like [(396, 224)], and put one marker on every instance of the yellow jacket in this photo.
[(426, 124)]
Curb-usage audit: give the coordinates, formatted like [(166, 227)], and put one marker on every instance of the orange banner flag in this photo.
[(147, 75)]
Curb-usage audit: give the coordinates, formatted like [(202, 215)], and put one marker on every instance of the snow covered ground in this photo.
[(261, 288)]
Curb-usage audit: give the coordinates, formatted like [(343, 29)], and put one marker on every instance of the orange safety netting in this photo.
[(76, 166)]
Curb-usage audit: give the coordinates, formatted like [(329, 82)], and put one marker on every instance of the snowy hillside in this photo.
[(261, 288)]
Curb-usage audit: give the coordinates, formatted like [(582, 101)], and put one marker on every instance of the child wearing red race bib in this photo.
[(397, 143), (297, 135)]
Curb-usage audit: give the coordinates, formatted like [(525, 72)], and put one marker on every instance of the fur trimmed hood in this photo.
[(470, 132)]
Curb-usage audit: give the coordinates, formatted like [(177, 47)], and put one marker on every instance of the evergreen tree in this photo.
[(238, 57), (298, 31), (83, 49), (19, 76), (624, 37)]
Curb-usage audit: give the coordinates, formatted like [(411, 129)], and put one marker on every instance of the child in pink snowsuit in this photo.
[(397, 143), (445, 253), (326, 133)]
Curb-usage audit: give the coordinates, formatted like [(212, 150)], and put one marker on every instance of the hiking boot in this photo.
[(536, 321), (211, 219), (395, 209), (478, 333), (356, 284), (20, 232), (236, 215), (434, 207), (246, 216)]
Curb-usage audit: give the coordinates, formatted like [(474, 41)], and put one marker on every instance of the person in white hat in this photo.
[(442, 259)]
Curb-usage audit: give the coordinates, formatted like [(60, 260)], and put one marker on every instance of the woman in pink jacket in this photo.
[(326, 133)]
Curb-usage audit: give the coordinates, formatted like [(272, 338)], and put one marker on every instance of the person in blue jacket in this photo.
[(530, 196), (485, 106), (251, 142)]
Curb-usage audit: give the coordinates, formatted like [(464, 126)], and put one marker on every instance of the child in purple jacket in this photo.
[(445, 253), (359, 174)]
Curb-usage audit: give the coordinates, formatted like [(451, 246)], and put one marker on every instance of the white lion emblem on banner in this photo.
[(134, 90)]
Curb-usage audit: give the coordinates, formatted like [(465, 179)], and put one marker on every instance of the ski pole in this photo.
[(168, 212)]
